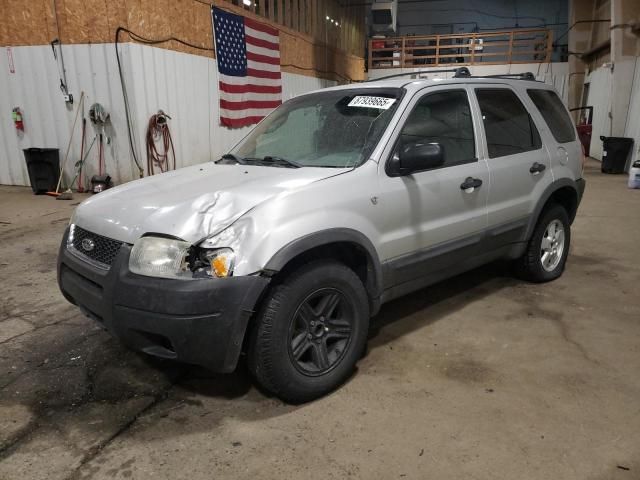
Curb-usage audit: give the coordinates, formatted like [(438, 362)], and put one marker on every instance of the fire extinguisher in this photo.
[(17, 119)]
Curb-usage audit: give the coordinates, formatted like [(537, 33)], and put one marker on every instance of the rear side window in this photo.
[(507, 124), (554, 113), (444, 118)]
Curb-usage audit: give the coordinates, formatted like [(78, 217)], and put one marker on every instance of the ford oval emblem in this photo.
[(88, 244)]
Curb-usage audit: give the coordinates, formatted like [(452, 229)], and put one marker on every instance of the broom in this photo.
[(73, 129), (68, 194)]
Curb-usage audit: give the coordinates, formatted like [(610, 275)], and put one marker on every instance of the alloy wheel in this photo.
[(552, 245), (320, 332)]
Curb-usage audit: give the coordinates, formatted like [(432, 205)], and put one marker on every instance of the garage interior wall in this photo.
[(179, 80), (604, 69)]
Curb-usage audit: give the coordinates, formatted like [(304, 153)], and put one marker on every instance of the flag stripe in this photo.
[(261, 35), (249, 112), (232, 80), (256, 57), (252, 72), (241, 97), (248, 22), (243, 105), (240, 122), (266, 67), (263, 51), (249, 88), (258, 42)]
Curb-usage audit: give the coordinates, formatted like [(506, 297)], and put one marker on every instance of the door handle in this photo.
[(470, 184), (537, 168)]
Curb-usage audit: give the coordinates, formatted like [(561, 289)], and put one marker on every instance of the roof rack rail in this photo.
[(517, 76), (461, 72)]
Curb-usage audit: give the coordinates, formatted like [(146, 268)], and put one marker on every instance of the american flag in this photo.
[(248, 58)]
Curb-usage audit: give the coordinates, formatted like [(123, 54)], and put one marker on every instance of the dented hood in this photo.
[(190, 203)]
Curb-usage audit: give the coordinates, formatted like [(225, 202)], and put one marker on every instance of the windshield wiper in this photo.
[(230, 156), (282, 161)]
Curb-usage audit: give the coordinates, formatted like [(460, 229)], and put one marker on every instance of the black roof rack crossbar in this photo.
[(461, 72)]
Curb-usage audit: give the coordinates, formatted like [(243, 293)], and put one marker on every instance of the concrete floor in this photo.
[(481, 376)]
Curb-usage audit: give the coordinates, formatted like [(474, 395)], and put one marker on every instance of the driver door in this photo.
[(431, 221)]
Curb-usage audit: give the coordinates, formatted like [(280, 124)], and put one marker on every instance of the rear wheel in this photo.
[(546, 254), (310, 332)]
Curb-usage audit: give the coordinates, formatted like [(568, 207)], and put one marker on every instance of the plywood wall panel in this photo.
[(73, 21), (25, 22)]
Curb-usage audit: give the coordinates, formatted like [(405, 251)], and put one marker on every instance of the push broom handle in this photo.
[(73, 129)]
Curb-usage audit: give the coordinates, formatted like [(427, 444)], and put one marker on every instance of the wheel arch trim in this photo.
[(325, 237), (544, 200)]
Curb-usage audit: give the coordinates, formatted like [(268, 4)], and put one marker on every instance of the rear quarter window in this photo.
[(554, 114), (508, 126)]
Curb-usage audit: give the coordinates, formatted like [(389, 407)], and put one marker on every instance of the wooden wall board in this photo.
[(26, 22)]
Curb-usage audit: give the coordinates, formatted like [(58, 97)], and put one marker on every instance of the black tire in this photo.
[(530, 266), (285, 321)]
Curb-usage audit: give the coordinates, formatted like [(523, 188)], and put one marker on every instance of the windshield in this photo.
[(327, 129)]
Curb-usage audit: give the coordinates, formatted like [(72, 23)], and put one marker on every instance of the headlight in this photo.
[(170, 258), (217, 263), (218, 255), (160, 257), (72, 232)]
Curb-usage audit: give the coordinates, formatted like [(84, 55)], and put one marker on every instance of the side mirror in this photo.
[(418, 157)]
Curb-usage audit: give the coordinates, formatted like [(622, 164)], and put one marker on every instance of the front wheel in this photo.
[(546, 254), (310, 332)]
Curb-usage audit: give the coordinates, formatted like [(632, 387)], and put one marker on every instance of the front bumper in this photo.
[(199, 321)]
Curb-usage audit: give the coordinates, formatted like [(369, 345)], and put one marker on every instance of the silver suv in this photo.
[(337, 202)]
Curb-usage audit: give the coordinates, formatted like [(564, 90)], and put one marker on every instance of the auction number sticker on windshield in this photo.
[(366, 101)]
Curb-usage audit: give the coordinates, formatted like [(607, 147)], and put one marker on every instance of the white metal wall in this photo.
[(599, 98), (632, 129), (183, 85)]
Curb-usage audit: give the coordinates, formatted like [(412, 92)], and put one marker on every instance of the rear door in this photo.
[(518, 162), (559, 133), (431, 223)]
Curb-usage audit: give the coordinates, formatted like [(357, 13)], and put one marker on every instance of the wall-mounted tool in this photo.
[(98, 115), (80, 187), (68, 97), (16, 114), (99, 118)]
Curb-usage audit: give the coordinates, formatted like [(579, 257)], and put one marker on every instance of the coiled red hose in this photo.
[(165, 157)]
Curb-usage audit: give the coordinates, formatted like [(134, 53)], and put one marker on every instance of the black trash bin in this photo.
[(43, 165), (615, 151)]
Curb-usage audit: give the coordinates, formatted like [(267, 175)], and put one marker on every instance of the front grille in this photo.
[(104, 249)]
